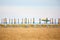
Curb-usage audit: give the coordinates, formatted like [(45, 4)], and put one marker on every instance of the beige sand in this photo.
[(29, 33)]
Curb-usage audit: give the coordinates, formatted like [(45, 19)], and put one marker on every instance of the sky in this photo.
[(30, 8)]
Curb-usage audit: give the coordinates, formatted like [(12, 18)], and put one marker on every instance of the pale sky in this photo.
[(30, 8)]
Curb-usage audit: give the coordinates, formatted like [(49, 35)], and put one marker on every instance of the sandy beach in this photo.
[(29, 33)]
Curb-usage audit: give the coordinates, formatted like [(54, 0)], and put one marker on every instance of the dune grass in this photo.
[(31, 25)]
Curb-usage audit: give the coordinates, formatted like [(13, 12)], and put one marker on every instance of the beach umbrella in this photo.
[(22, 21), (28, 20), (46, 20), (18, 20), (11, 21), (14, 21), (51, 20), (33, 20), (25, 20), (39, 21), (58, 20), (5, 20), (55, 21), (1, 21)]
